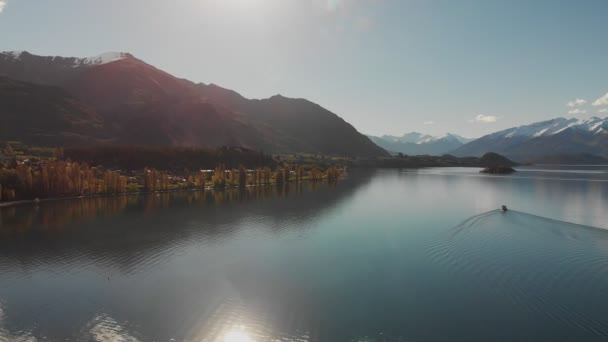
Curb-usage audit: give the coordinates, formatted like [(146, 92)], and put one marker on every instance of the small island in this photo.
[(498, 170)]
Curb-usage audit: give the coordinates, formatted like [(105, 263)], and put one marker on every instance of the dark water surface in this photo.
[(384, 255)]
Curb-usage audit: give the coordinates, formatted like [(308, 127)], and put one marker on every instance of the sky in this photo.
[(469, 67)]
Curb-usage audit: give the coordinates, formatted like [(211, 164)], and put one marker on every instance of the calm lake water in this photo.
[(385, 255)]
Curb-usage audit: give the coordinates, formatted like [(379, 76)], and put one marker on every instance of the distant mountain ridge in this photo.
[(415, 143), (137, 103), (558, 136), (572, 159)]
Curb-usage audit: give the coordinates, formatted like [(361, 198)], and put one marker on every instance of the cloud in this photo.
[(484, 119), (577, 111), (577, 102), (602, 101), (2, 5), (603, 110), (428, 123)]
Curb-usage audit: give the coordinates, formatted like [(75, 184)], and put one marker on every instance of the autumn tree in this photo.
[(242, 176), (219, 177), (279, 176), (287, 171)]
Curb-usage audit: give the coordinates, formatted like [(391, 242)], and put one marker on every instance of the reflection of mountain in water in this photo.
[(554, 271), (126, 230)]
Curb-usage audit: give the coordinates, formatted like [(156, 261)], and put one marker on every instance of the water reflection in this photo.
[(547, 268), (562, 196), (237, 334), (113, 264), (55, 217), (12, 336), (105, 329), (312, 262)]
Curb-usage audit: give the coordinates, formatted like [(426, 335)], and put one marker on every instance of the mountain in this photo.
[(44, 115), (298, 123), (572, 159), (415, 143), (446, 160), (537, 140), (51, 70), (140, 104)]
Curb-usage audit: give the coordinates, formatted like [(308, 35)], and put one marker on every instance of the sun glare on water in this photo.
[(237, 335)]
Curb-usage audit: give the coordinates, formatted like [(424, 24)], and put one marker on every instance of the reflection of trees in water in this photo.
[(56, 217), (62, 215), (133, 232)]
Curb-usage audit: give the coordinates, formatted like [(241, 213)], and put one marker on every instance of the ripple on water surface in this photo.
[(546, 267)]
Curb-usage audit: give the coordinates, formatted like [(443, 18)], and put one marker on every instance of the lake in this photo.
[(383, 255)]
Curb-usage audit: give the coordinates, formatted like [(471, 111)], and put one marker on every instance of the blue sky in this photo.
[(386, 66)]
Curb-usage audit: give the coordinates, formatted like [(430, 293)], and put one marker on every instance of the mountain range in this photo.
[(117, 98), (539, 140), (415, 143)]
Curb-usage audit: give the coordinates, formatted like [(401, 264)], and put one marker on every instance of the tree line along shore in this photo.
[(101, 170), (28, 173)]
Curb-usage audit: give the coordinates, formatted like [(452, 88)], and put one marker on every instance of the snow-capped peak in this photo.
[(446, 136), (13, 54), (419, 138), (104, 58), (593, 125), (430, 138), (413, 137)]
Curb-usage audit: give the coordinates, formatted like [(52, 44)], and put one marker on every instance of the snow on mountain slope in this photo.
[(12, 54), (420, 138), (550, 127), (415, 143), (543, 138), (593, 125), (413, 137), (104, 58), (446, 137)]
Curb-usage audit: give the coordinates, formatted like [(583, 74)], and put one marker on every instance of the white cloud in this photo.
[(577, 111), (428, 123), (602, 101), (484, 118), (2, 5), (577, 102), (603, 110)]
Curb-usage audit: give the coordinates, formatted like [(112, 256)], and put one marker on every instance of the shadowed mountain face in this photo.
[(296, 124), (137, 103), (44, 115)]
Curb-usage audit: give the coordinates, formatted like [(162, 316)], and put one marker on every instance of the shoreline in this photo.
[(50, 199)]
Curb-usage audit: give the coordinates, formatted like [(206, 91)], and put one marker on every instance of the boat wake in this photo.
[(555, 269)]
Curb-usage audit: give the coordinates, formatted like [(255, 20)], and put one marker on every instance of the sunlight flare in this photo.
[(237, 335)]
